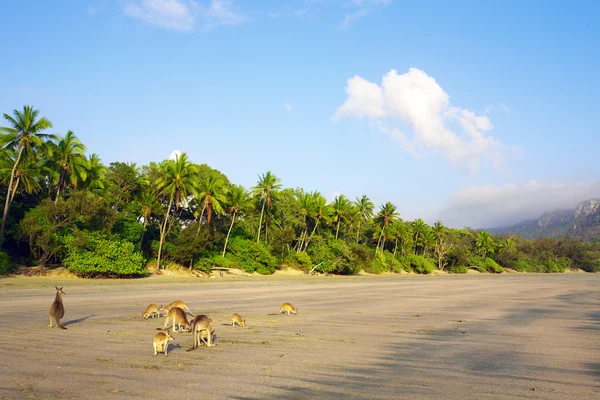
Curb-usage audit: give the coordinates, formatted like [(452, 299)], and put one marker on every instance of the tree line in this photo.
[(62, 206)]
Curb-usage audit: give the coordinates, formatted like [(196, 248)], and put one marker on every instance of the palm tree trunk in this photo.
[(396, 246), (60, 183), (228, 233), (260, 221), (358, 231), (200, 220), (338, 228), (7, 202), (162, 234), (311, 234), (143, 233), (14, 190)]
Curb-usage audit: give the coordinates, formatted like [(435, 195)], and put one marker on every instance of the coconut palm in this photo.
[(212, 197), (341, 208), (419, 227), (24, 134), (69, 163), (149, 205), (177, 182), (267, 185), (305, 200), (96, 172), (386, 215), (26, 174), (485, 243), (238, 201), (321, 211), (365, 209)]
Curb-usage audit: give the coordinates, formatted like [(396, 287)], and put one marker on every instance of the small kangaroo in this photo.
[(57, 310), (177, 315), (287, 308), (151, 312), (176, 303), (161, 342), (236, 319), (202, 329)]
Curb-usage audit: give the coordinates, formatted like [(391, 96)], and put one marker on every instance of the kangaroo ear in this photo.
[(56, 287)]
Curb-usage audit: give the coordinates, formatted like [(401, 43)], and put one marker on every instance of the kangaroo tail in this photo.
[(188, 310), (61, 326)]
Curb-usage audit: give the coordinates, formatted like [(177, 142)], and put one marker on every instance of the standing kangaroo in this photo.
[(57, 310)]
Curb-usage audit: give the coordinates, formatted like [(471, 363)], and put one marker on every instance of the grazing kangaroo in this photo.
[(176, 303), (57, 310), (287, 308), (177, 315), (236, 319), (150, 312), (202, 329), (161, 342)]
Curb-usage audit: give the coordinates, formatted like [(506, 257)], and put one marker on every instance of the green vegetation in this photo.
[(63, 207)]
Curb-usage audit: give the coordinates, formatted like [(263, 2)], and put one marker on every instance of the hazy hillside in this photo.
[(582, 222)]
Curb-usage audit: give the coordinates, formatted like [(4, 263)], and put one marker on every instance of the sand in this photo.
[(366, 337)]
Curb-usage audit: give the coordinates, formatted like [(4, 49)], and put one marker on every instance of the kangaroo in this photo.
[(177, 315), (287, 308), (236, 319), (176, 303), (151, 312), (161, 342), (57, 310), (202, 329)]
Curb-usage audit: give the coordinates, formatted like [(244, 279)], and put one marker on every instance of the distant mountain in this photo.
[(583, 222)]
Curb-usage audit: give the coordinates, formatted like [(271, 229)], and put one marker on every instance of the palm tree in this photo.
[(178, 181), (321, 211), (306, 208), (341, 207), (386, 215), (365, 209), (24, 134), (26, 175), (69, 162), (419, 228), (267, 184), (211, 196), (96, 172), (485, 243), (238, 201), (149, 204)]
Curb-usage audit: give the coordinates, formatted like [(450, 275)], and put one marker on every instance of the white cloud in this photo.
[(362, 8), (181, 15), (175, 155), (416, 99), (288, 107), (490, 206)]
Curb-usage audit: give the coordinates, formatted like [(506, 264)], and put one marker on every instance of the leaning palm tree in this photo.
[(365, 209), (178, 181), (238, 201), (69, 162), (267, 185), (26, 176), (24, 134), (341, 207), (386, 215)]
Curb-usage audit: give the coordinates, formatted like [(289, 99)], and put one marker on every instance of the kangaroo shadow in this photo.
[(78, 320)]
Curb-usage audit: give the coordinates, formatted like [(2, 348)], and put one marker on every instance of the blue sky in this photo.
[(476, 113)]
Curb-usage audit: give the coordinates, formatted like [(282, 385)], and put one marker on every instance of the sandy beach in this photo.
[(363, 337)]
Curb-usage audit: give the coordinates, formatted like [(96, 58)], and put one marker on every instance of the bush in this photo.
[(94, 255), (558, 265), (492, 266), (252, 256), (420, 264), (301, 261), (459, 269), (6, 264), (208, 261), (378, 265)]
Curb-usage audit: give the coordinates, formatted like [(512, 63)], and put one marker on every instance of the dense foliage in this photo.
[(62, 206)]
